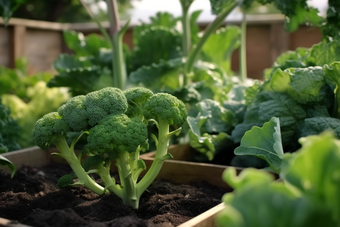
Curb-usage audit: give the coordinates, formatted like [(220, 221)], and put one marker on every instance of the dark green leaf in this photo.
[(5, 161), (66, 180)]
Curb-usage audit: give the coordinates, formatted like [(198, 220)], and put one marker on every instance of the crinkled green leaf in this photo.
[(325, 53), (219, 119), (304, 85), (209, 129), (264, 143), (80, 80), (159, 76), (317, 125), (219, 47), (5, 161), (272, 104), (156, 44), (315, 170)]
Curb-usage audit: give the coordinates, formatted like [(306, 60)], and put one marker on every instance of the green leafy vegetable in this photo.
[(308, 195), (264, 143)]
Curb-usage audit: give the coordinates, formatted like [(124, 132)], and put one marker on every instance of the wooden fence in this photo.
[(41, 42)]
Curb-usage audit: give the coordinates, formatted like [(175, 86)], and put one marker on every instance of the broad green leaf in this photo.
[(219, 47), (268, 204), (80, 80), (66, 180), (156, 44), (251, 92), (66, 62), (325, 53), (304, 85), (317, 125), (315, 170), (164, 19), (208, 131), (264, 143), (5, 161), (219, 119), (247, 177), (161, 76)]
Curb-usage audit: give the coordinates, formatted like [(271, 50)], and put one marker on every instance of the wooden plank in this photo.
[(5, 47), (36, 24), (19, 35), (206, 219)]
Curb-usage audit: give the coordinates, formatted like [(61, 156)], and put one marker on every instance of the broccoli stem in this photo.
[(160, 157), (83, 178), (129, 193), (109, 182)]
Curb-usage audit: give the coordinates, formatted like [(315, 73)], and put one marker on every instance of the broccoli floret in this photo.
[(104, 102), (136, 97), (117, 134), (167, 108), (51, 128), (74, 113)]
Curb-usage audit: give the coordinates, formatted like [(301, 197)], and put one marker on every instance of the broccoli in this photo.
[(117, 126)]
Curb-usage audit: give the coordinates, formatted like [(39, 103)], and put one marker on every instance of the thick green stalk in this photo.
[(118, 62), (83, 178), (243, 55), (160, 157), (186, 37), (210, 29), (129, 193)]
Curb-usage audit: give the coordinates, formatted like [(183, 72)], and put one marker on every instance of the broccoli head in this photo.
[(74, 113), (49, 129), (136, 97), (165, 107), (104, 102), (115, 134)]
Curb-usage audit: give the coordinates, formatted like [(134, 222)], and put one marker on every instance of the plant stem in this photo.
[(210, 29), (83, 178), (186, 37), (118, 60), (243, 55)]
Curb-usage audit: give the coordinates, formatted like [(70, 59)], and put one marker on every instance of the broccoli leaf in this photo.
[(66, 180), (5, 161), (264, 143)]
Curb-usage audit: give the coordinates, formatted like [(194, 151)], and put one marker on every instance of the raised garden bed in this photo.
[(190, 175)]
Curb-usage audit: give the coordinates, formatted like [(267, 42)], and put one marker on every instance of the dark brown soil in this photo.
[(32, 198)]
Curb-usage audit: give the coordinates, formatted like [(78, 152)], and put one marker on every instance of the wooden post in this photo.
[(19, 32), (279, 40)]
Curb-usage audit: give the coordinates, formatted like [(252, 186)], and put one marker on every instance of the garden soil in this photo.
[(32, 198)]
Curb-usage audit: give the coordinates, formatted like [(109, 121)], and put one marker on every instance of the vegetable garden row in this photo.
[(109, 103)]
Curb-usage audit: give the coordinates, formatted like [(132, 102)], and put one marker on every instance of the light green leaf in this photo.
[(5, 161), (304, 85), (325, 53), (264, 143), (315, 170), (219, 47), (332, 73)]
